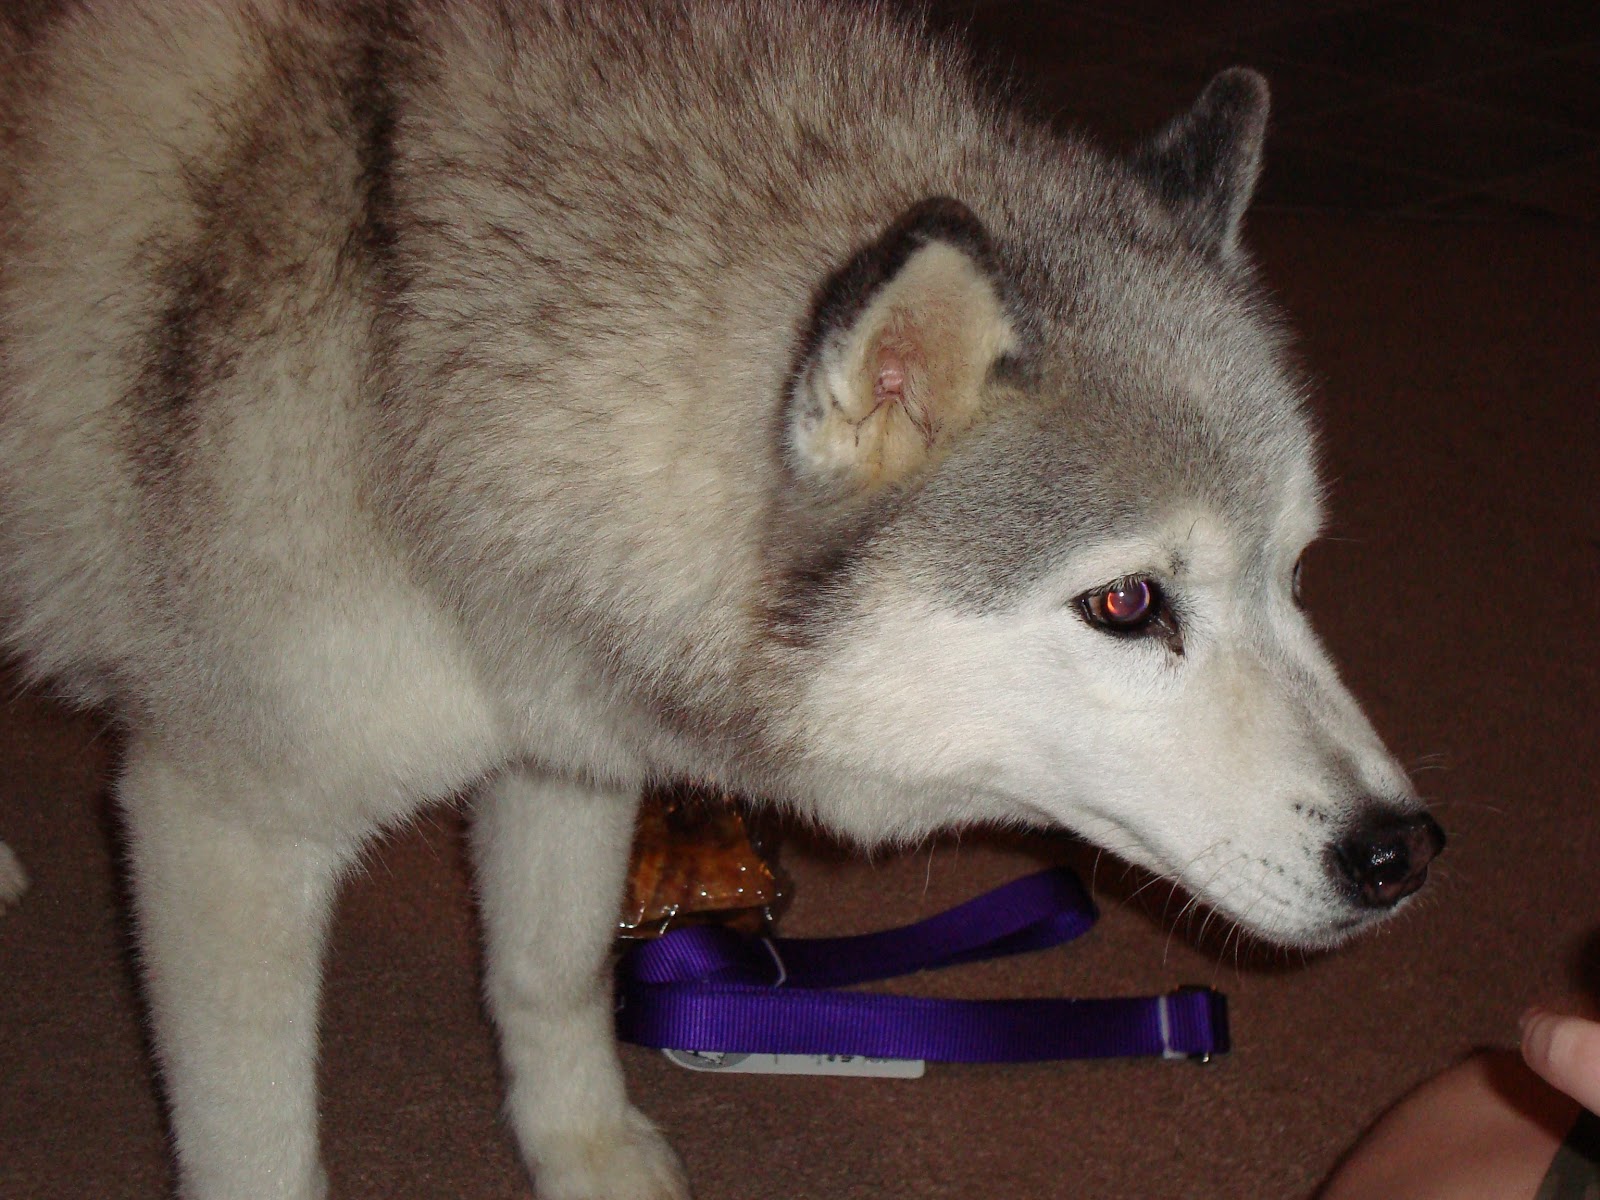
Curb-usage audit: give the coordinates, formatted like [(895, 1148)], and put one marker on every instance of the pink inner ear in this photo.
[(893, 386), (890, 385)]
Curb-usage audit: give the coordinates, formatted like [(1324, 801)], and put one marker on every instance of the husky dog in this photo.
[(537, 400)]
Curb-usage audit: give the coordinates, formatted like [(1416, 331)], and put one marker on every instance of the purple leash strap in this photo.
[(707, 988)]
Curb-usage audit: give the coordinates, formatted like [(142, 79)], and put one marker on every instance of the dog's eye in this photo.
[(1126, 606), (1294, 582)]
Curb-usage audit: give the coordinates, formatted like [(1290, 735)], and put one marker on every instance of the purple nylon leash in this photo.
[(707, 988)]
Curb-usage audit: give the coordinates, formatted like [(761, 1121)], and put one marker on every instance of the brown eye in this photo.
[(1125, 606)]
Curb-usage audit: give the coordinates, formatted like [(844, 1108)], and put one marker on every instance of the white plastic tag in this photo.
[(798, 1064)]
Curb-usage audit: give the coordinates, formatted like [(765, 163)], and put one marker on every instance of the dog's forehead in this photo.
[(1139, 462), (1234, 471), (1177, 377)]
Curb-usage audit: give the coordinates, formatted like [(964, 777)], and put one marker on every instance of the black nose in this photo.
[(1385, 858)]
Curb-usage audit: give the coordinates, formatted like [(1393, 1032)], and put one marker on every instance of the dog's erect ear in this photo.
[(900, 345), (1205, 164)]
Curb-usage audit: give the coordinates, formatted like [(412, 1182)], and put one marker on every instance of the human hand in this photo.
[(1565, 1052)]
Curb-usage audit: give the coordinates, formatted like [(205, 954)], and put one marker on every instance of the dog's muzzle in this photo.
[(1385, 857)]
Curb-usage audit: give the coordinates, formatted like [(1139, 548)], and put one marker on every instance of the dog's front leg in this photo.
[(232, 912), (551, 859)]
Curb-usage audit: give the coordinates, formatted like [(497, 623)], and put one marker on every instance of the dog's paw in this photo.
[(13, 879), (627, 1161)]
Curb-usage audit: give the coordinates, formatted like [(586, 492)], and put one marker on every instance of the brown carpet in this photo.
[(1461, 385)]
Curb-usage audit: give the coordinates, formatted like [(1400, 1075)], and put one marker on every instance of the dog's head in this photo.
[(1066, 480)]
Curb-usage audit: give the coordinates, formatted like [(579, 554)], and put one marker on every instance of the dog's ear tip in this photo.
[(1241, 89), (1205, 164), (1239, 100)]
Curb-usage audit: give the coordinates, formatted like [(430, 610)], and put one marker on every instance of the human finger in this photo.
[(1565, 1052)]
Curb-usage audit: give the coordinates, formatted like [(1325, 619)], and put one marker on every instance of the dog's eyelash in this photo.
[(1151, 615)]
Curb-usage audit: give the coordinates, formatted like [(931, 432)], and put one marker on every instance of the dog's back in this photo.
[(160, 235), (250, 367)]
